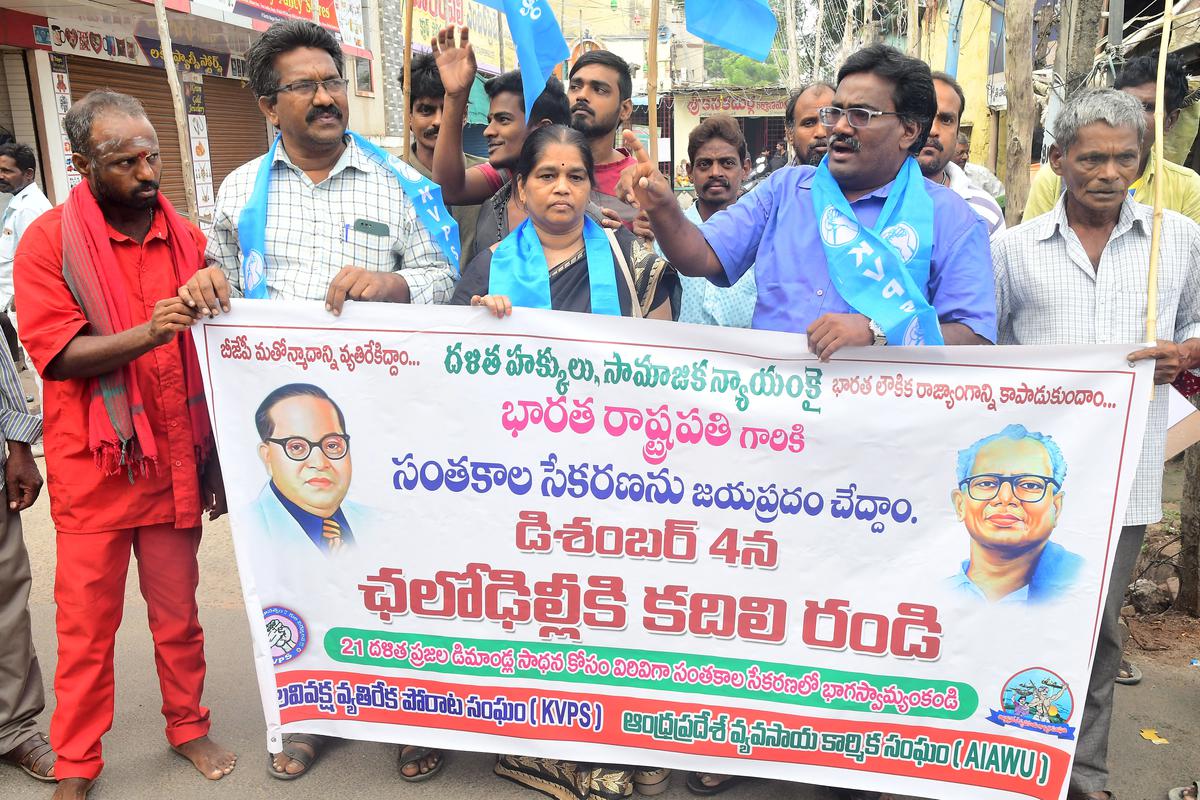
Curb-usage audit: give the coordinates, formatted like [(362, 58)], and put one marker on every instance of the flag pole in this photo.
[(408, 51), (1156, 227), (652, 82)]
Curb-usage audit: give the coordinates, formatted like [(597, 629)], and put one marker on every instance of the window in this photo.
[(364, 78)]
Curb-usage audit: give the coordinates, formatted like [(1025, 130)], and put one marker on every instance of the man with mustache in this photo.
[(426, 109), (1009, 496), (937, 156), (17, 167), (1181, 186), (719, 163), (828, 260), (129, 450), (810, 139), (325, 215), (1077, 275), (600, 91)]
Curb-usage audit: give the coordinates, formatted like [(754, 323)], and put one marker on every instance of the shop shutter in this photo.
[(150, 87), (237, 130)]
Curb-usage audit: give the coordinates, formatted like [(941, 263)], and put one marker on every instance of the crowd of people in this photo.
[(558, 217)]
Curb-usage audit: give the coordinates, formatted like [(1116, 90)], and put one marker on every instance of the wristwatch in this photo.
[(877, 332)]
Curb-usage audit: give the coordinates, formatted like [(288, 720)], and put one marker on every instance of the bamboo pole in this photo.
[(1156, 228), (652, 82), (914, 29), (408, 51), (817, 72), (181, 125)]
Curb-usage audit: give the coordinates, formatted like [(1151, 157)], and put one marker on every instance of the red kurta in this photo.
[(82, 498)]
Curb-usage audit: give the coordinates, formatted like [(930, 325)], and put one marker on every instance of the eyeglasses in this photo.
[(335, 446), (334, 86), (1026, 488), (857, 117)]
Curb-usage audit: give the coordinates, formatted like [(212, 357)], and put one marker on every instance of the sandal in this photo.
[(35, 756), (697, 786), (1128, 674), (1190, 792), (414, 756), (304, 758), (651, 781)]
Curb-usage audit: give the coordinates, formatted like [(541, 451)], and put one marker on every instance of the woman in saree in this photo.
[(561, 259)]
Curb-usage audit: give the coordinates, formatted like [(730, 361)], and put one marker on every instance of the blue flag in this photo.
[(743, 26), (539, 41)]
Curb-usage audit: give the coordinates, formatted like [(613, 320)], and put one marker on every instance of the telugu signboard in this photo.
[(629, 541)]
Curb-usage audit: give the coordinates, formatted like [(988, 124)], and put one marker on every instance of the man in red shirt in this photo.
[(129, 456)]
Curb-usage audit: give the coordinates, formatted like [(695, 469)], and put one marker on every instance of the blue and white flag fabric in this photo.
[(425, 195), (743, 26), (882, 272), (539, 41)]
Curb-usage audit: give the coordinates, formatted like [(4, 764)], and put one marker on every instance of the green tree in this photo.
[(731, 69)]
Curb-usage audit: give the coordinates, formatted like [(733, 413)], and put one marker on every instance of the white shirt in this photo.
[(982, 203), (311, 233), (25, 206), (1048, 293)]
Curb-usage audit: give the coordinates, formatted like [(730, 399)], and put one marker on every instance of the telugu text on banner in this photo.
[(630, 541)]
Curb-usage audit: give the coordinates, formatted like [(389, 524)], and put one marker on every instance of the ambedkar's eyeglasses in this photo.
[(335, 446)]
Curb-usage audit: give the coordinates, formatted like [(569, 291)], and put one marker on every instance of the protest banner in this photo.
[(638, 542)]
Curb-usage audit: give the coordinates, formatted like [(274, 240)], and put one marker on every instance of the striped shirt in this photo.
[(311, 231), (1048, 293), (980, 201), (16, 423)]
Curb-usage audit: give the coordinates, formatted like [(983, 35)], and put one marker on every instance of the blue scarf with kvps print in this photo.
[(882, 272), (426, 197), (519, 269)]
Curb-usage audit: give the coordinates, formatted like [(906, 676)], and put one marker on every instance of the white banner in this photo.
[(630, 541)]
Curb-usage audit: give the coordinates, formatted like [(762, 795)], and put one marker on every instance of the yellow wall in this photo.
[(972, 66)]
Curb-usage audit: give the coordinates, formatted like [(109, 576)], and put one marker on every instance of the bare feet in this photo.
[(420, 767), (213, 761), (72, 789)]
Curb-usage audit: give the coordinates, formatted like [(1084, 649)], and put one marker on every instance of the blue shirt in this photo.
[(312, 524), (1055, 573), (704, 303), (774, 228)]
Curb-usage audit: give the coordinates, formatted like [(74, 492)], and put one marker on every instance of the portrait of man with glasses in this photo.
[(1009, 496), (305, 448)]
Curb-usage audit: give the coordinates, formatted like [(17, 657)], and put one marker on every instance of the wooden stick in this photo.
[(181, 124), (1157, 156), (408, 51), (652, 82)]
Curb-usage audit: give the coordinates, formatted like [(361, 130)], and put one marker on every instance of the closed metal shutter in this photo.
[(150, 87), (237, 130)]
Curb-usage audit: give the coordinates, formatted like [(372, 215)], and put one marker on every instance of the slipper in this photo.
[(650, 781), (1185, 792), (35, 756), (415, 755), (702, 789), (305, 759), (1128, 674)]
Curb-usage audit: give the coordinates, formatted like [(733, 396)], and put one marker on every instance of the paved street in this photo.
[(141, 766)]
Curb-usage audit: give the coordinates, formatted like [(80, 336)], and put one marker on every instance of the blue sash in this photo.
[(426, 197), (882, 272), (519, 269)]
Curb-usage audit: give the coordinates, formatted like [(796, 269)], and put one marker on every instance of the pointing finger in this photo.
[(634, 145)]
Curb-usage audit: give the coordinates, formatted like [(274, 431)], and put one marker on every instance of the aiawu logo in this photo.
[(529, 8)]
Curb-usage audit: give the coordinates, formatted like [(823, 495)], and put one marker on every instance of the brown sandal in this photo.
[(35, 756)]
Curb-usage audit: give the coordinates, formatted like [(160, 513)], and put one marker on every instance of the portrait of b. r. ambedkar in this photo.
[(1009, 496), (305, 447)]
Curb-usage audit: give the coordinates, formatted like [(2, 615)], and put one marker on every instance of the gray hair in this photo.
[(1114, 108), (96, 103)]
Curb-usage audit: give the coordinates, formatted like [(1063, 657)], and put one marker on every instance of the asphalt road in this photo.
[(140, 765)]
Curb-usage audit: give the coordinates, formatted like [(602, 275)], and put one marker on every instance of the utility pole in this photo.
[(914, 29), (793, 57), (500, 35), (817, 70), (868, 28), (181, 126), (1018, 81)]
